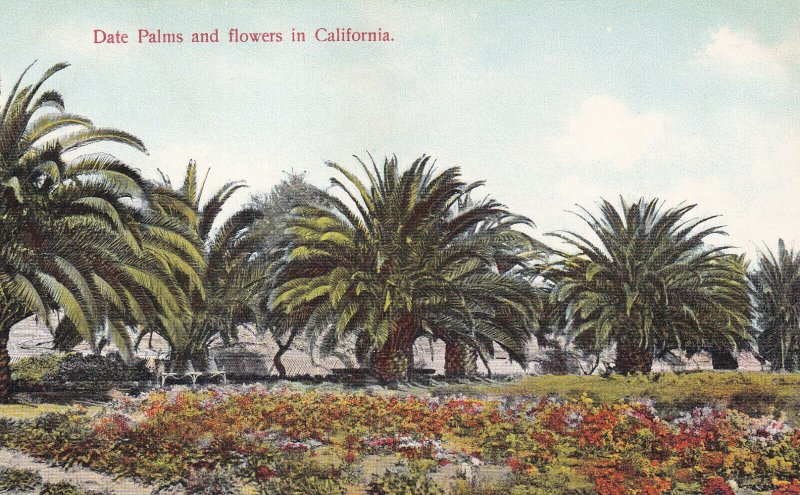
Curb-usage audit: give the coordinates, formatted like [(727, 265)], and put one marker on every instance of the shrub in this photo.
[(108, 368), (49, 369), (12, 479), (211, 483), (37, 369), (67, 488), (415, 481), (517, 485), (305, 486), (285, 442), (295, 475)]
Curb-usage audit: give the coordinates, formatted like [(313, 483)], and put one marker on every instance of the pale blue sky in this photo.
[(553, 103)]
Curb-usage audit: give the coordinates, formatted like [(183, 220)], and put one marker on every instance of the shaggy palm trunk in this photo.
[(393, 360), (5, 366), (723, 359), (460, 360), (10, 315), (632, 357), (198, 359)]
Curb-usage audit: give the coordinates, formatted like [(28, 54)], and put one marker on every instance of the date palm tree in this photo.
[(650, 283), (509, 256), (776, 289), (395, 264), (72, 227), (232, 280)]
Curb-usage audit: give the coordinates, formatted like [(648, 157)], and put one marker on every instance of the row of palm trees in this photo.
[(100, 254)]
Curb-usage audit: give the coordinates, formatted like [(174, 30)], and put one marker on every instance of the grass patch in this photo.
[(28, 411), (754, 393)]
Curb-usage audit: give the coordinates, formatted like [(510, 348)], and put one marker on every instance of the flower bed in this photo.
[(268, 437)]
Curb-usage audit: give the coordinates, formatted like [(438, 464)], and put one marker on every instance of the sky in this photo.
[(553, 103)]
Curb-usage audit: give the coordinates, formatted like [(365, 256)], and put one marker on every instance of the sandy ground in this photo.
[(85, 478)]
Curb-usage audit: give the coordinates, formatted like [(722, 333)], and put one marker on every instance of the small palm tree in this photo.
[(776, 289), (71, 229), (650, 284), (398, 264), (231, 282), (506, 255)]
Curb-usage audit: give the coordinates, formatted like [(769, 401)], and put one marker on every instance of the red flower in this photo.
[(715, 485), (515, 464), (265, 473), (792, 488)]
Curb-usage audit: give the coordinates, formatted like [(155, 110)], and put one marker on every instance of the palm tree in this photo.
[(276, 207), (231, 282), (510, 257), (719, 343), (396, 265), (651, 283), (71, 241), (776, 289)]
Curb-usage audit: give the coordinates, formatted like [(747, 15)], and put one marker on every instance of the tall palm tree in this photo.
[(231, 282), (71, 228), (650, 283), (396, 265), (776, 289)]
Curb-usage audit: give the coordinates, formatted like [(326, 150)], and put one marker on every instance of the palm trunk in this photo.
[(10, 315), (394, 359), (460, 360), (632, 357), (783, 350), (5, 366), (198, 359), (723, 359), (282, 348)]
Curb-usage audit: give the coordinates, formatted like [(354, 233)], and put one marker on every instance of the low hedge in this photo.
[(61, 370)]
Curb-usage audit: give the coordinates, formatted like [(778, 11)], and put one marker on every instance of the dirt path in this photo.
[(83, 477)]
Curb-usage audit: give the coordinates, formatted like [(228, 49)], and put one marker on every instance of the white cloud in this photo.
[(605, 130), (742, 52), (756, 176), (762, 147)]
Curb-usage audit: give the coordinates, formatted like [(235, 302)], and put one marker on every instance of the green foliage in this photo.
[(754, 393), (274, 241), (101, 368), (555, 480), (309, 485), (206, 482), (67, 488), (776, 288), (403, 262), (298, 476), (650, 284), (226, 290), (58, 369), (12, 479), (37, 369), (414, 480), (79, 240)]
